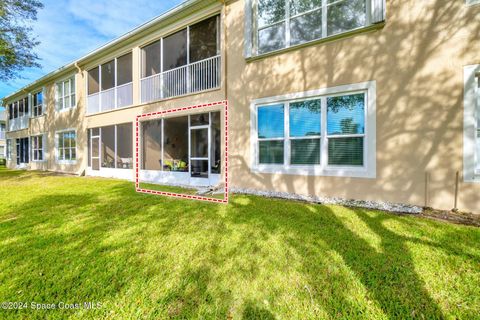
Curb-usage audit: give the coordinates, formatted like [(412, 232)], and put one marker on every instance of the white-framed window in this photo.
[(65, 94), (321, 132), (66, 146), (274, 25), (37, 104), (38, 147), (471, 124), (9, 149)]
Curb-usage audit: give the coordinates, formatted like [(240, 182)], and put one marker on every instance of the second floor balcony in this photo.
[(184, 62), (195, 77), (18, 114), (110, 85)]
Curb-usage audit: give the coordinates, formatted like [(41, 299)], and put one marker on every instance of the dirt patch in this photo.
[(465, 218)]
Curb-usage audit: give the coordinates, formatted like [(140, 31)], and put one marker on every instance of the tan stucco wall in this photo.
[(416, 60), (51, 122)]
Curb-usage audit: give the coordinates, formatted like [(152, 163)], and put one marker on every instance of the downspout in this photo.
[(82, 171), (224, 2), (78, 68)]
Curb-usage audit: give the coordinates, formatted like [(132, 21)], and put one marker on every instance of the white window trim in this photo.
[(368, 170), (43, 147), (34, 92), (74, 76), (471, 104), (56, 147)]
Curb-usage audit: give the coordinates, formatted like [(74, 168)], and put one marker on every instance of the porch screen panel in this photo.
[(216, 136), (199, 143), (108, 75), (175, 146), (124, 69), (93, 81), (152, 145), (124, 146), (108, 147), (203, 40), (89, 147), (175, 50), (151, 59), (95, 153)]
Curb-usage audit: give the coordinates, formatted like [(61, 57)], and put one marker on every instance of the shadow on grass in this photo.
[(159, 257)]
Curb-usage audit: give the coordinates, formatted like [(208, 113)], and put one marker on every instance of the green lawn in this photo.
[(71, 239)]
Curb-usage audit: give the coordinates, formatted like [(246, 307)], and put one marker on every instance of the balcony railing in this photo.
[(115, 98), (191, 78), (18, 123)]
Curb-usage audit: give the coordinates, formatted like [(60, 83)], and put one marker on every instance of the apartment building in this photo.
[(358, 99), (3, 120)]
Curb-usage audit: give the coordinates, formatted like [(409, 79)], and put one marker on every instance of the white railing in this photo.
[(124, 95), (18, 123), (2, 135), (118, 97), (191, 78)]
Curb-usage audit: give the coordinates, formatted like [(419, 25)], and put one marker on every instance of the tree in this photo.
[(16, 39)]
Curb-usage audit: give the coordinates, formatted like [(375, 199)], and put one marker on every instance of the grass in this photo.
[(71, 239)]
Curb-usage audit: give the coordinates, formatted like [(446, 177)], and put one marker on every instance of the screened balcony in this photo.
[(185, 62), (18, 114), (110, 85)]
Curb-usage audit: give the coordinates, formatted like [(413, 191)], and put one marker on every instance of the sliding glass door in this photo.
[(22, 151)]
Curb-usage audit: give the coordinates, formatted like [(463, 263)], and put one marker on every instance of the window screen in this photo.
[(175, 50), (203, 39), (151, 59), (124, 69)]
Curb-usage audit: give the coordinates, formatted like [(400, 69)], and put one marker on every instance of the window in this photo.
[(346, 129), (112, 146), (37, 104), (66, 146), (37, 148), (9, 149), (323, 132), (65, 94), (471, 134), (284, 23)]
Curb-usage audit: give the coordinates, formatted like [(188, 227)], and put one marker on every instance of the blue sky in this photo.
[(68, 29)]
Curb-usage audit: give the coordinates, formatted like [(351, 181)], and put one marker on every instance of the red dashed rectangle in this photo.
[(178, 195)]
